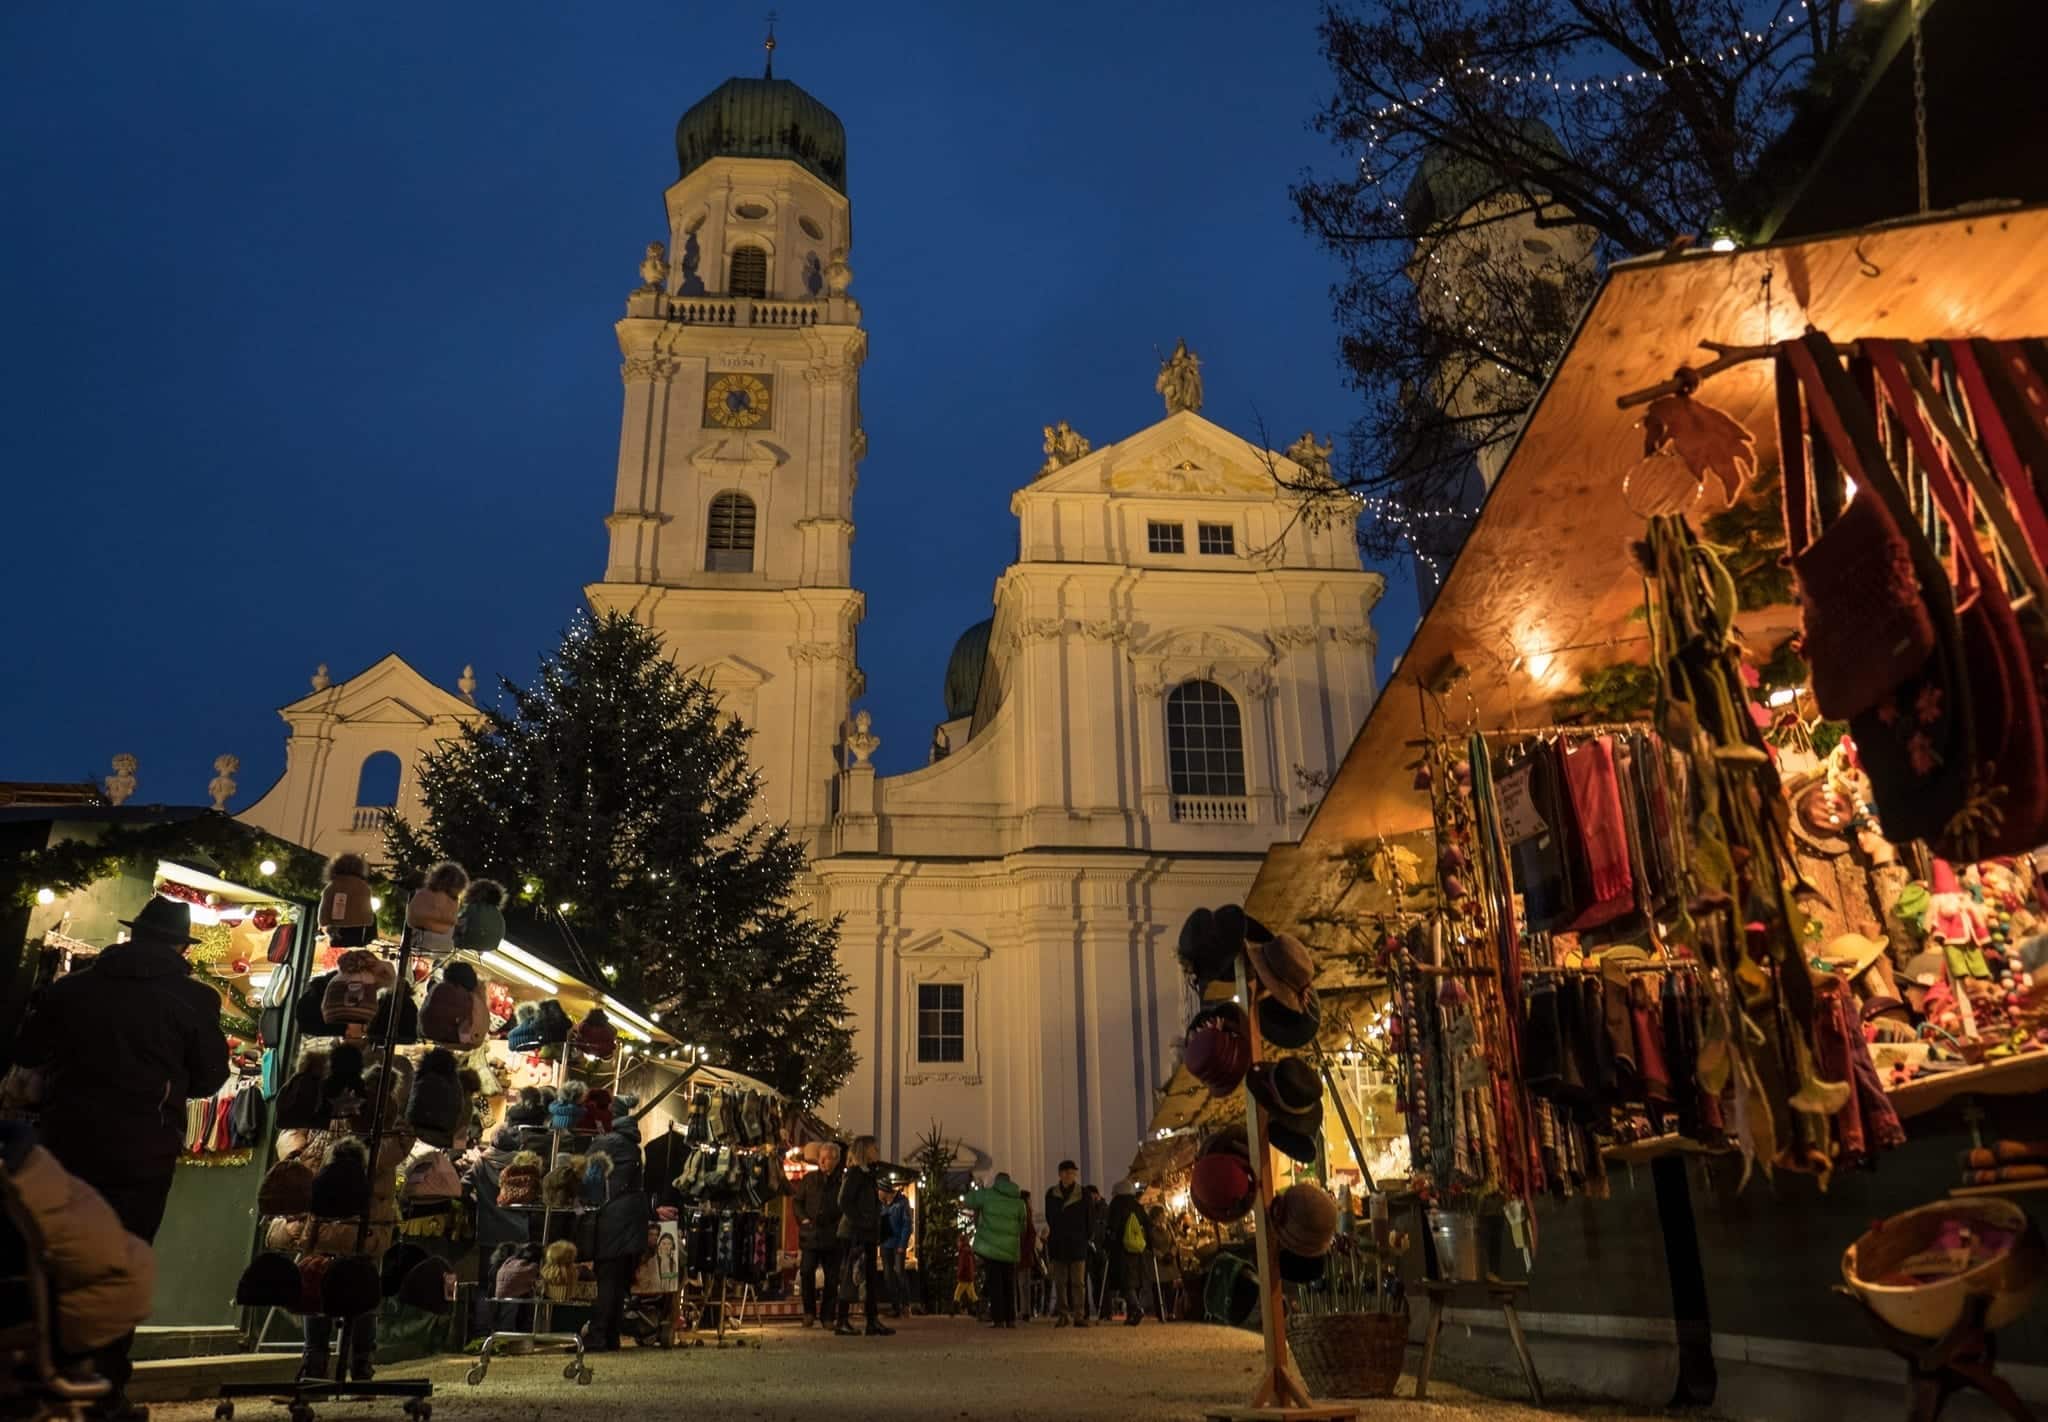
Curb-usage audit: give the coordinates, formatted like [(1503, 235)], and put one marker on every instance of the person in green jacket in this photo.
[(998, 1236)]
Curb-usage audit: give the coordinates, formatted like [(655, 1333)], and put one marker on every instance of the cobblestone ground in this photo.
[(934, 1370)]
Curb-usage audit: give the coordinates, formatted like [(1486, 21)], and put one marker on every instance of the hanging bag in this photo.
[(2012, 783), (1134, 1234), (1866, 624), (1917, 742)]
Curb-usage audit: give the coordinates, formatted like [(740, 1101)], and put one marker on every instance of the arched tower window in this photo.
[(376, 790), (748, 275), (729, 534), (1204, 741)]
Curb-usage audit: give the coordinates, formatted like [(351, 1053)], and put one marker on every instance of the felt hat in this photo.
[(351, 1287), (270, 1281), (1285, 967), (1851, 954), (1218, 1050), (1292, 1096), (1205, 951), (429, 1285), (162, 920), (1231, 1140), (1222, 1187), (1288, 1028), (1304, 1218)]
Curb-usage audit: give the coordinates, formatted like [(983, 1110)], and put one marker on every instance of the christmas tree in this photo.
[(616, 794)]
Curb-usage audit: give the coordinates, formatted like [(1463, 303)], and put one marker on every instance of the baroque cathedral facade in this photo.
[(1173, 661)]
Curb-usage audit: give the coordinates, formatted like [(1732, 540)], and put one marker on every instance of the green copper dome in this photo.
[(1447, 183), (763, 118), (963, 669)]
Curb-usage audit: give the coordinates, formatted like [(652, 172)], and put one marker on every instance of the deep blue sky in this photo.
[(308, 310)]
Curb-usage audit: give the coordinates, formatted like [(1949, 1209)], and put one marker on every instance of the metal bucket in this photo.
[(1456, 1237)]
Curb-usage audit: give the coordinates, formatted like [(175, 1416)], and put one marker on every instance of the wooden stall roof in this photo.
[(1544, 590)]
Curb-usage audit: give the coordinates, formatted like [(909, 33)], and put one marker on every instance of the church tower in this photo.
[(732, 525)]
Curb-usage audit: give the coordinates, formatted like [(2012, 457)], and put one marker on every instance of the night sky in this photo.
[(308, 309)]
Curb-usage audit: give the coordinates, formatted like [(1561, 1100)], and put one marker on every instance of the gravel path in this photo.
[(935, 1370)]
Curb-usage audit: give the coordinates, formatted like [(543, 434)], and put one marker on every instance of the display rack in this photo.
[(299, 1395), (543, 1334)]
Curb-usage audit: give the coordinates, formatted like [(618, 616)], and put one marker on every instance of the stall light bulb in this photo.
[(532, 889), (1785, 696), (1723, 244), (375, 903), (654, 1017), (46, 897), (267, 868), (562, 907), (610, 971)]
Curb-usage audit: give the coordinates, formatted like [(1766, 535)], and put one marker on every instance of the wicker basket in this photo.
[(1349, 1354)]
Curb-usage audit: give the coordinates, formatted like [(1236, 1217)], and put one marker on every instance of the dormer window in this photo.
[(1166, 537), (1215, 538), (748, 273)]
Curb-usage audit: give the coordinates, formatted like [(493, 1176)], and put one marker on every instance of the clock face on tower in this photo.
[(738, 400)]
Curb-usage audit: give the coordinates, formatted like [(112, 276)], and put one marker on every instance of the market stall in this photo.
[(1684, 870)]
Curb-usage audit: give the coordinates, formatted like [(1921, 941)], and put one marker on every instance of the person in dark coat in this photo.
[(616, 1235), (1126, 1265), (124, 1043), (1066, 1246), (817, 1218), (1098, 1256), (860, 1229), (896, 1223)]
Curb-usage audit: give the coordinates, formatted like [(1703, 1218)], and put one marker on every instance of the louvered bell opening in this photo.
[(749, 272), (729, 545)]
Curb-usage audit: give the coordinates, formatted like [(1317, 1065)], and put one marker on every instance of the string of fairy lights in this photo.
[(1743, 48)]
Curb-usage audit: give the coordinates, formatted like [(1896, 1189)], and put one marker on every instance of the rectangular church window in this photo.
[(1215, 538), (941, 1022), (1166, 537)]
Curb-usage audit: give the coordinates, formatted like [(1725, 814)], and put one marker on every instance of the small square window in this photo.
[(1166, 537), (1215, 538), (941, 1022)]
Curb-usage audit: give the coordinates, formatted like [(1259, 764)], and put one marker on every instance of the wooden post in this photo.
[(1280, 1396)]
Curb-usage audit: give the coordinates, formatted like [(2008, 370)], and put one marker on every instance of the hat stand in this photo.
[(1281, 1395), (299, 1395)]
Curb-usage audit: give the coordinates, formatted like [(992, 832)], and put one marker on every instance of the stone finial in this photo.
[(653, 268), (321, 680), (1063, 445), (838, 275), (862, 740), (1180, 379), (222, 786), (121, 784), (466, 684), (1313, 458)]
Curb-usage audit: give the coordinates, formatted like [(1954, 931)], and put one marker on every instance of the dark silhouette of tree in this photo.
[(1497, 155)]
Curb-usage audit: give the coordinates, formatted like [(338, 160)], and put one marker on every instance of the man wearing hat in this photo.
[(124, 1042)]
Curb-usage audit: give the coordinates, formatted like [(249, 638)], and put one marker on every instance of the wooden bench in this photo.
[(1499, 1293)]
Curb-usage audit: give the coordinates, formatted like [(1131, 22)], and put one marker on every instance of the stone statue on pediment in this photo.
[(1313, 458), (1180, 380), (1063, 445), (654, 268)]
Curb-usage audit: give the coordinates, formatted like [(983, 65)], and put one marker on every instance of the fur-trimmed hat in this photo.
[(528, 1108), (562, 1186), (341, 1190)]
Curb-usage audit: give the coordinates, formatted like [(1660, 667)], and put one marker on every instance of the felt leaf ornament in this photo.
[(1710, 441)]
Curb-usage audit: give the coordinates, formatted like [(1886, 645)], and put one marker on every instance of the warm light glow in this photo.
[(534, 964), (375, 903), (1724, 244), (267, 868), (46, 897), (532, 889), (506, 967), (619, 1009), (1784, 696), (611, 972), (1179, 1200), (259, 981), (562, 907)]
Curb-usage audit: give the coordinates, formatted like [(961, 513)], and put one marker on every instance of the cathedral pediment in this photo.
[(389, 692), (946, 943), (1183, 455)]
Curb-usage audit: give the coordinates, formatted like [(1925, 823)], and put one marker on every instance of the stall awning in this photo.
[(1545, 589)]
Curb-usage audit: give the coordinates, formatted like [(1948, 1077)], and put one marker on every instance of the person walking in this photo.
[(817, 1218), (1027, 1258), (1165, 1263), (123, 1044), (1066, 1247), (1130, 1250), (1098, 1256), (618, 1233), (998, 1230), (895, 1245), (963, 1276), (860, 1231)]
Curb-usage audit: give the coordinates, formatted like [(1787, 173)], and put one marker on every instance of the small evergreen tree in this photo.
[(614, 785), (938, 1216)]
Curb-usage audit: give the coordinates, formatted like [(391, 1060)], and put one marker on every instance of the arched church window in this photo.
[(729, 539), (376, 790), (1204, 741), (749, 272)]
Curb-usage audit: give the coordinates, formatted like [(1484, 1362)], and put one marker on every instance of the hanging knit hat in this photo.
[(429, 1285), (341, 1190), (399, 1260), (287, 1189), (352, 1287), (519, 1182)]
